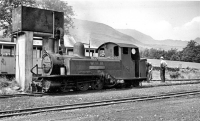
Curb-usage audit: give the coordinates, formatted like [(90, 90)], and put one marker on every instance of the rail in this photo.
[(178, 80), (10, 113), (21, 95)]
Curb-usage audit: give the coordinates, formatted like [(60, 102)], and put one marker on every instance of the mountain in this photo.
[(98, 33), (173, 43), (138, 35), (164, 44)]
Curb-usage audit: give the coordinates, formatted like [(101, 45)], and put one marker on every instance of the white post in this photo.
[(24, 60)]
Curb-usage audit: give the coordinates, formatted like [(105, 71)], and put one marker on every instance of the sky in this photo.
[(179, 20)]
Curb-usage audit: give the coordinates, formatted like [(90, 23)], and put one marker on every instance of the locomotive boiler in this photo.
[(117, 65)]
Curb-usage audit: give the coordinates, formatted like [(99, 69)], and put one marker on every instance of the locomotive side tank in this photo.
[(118, 64)]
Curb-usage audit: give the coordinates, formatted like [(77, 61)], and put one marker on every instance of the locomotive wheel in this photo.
[(46, 86), (44, 91), (83, 86), (136, 84), (128, 84), (97, 85), (63, 87)]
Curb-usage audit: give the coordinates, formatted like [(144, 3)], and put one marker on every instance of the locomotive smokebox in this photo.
[(79, 49)]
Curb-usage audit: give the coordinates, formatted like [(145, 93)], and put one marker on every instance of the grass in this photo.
[(176, 69), (173, 64), (7, 86), (176, 73)]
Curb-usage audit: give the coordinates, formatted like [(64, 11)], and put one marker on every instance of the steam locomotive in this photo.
[(117, 65)]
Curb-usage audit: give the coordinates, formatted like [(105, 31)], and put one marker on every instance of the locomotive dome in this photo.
[(79, 49)]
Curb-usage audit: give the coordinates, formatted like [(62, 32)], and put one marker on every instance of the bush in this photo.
[(8, 86), (174, 75), (168, 69), (4, 83)]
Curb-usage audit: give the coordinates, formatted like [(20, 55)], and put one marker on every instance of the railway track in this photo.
[(186, 81), (191, 81), (21, 95), (179, 80), (10, 113)]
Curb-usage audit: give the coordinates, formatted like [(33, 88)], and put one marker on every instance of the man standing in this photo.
[(149, 71), (163, 66)]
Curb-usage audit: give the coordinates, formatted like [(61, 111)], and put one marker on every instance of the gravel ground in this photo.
[(173, 109), (78, 97)]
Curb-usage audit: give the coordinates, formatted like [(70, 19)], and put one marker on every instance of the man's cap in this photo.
[(161, 57)]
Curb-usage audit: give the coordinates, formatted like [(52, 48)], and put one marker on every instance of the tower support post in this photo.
[(24, 60)]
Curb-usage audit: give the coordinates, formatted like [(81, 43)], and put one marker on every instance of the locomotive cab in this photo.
[(128, 54)]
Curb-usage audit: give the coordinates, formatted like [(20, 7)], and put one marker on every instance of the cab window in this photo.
[(125, 50), (102, 52), (116, 51), (7, 50)]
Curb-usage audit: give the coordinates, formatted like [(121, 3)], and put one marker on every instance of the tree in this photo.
[(58, 5), (175, 57), (144, 53), (197, 54), (172, 55), (6, 7), (189, 52)]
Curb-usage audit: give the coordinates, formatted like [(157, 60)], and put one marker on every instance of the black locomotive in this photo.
[(117, 64)]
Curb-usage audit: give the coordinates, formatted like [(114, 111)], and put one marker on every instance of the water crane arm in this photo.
[(60, 35)]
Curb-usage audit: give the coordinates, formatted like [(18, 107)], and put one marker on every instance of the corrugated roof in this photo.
[(7, 43)]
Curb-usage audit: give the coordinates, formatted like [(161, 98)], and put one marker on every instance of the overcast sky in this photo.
[(159, 19)]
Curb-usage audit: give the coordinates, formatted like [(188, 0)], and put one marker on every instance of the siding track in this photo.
[(190, 81), (11, 113)]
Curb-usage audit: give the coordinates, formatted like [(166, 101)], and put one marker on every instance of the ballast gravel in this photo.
[(89, 96)]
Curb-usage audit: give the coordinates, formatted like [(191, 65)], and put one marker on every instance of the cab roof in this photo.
[(118, 44)]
